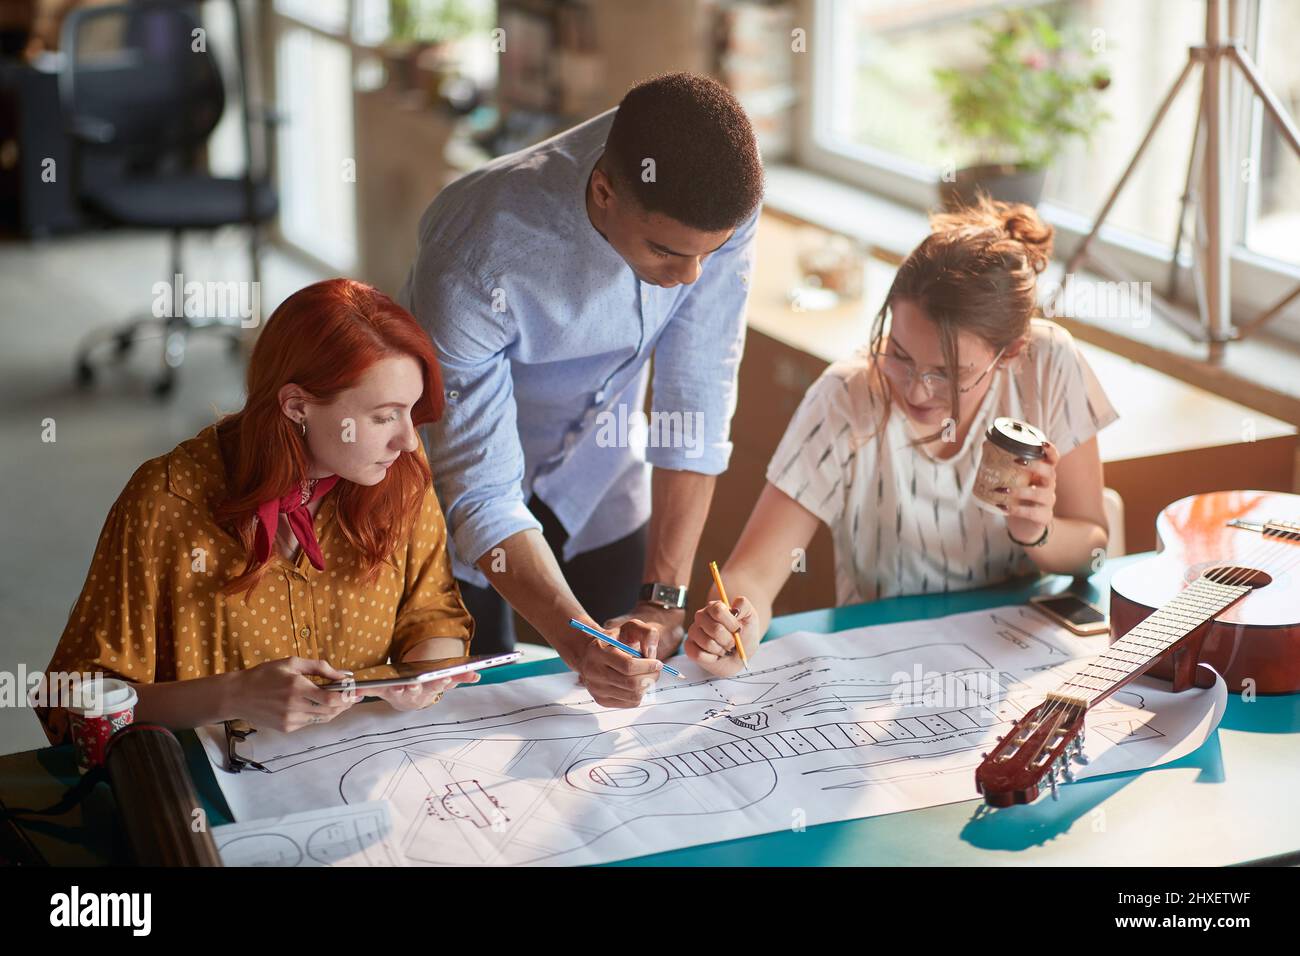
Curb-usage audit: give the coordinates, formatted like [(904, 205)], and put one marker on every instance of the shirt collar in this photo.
[(583, 225), (197, 473)]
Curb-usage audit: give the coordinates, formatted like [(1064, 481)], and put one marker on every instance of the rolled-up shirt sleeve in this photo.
[(474, 449), (697, 359)]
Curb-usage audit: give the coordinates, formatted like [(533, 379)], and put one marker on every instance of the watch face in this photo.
[(671, 597)]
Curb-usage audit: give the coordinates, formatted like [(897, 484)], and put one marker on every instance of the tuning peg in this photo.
[(1067, 773)]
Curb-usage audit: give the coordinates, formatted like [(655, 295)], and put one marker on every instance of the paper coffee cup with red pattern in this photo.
[(106, 705)]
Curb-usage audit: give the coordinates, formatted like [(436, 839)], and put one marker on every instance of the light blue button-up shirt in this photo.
[(545, 337)]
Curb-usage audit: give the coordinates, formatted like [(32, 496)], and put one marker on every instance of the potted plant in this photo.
[(1038, 87), (420, 32)]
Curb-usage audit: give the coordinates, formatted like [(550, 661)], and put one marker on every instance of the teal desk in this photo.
[(1234, 800)]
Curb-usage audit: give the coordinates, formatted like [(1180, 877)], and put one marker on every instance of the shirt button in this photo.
[(305, 632), (600, 396)]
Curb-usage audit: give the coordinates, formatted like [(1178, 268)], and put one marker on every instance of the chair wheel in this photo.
[(122, 343), (164, 386), (85, 374)]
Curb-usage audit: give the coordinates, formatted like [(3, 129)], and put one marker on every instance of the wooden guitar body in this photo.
[(1255, 643)]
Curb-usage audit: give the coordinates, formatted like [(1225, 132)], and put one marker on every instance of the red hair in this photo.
[(323, 338)]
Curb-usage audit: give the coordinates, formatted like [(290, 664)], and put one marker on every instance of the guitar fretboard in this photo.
[(1137, 650), (835, 736)]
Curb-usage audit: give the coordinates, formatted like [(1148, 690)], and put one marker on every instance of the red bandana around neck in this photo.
[(294, 507)]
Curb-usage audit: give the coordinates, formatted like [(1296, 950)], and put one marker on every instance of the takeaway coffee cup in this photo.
[(105, 706), (1005, 441)]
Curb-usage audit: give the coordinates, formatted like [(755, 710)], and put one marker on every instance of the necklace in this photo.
[(308, 486)]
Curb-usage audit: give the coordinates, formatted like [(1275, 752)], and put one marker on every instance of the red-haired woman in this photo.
[(300, 536), (886, 446)]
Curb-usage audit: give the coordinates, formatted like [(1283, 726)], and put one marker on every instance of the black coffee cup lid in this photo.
[(1020, 438)]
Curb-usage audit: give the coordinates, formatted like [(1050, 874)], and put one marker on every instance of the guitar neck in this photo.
[(1137, 650)]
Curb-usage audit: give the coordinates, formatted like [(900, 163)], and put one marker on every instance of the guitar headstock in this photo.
[(1041, 744)]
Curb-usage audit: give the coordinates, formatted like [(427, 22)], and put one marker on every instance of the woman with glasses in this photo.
[(886, 445)]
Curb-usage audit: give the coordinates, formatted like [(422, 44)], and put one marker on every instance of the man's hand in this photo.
[(668, 628), (615, 678)]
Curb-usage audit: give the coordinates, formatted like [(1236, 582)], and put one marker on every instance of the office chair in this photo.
[(142, 96)]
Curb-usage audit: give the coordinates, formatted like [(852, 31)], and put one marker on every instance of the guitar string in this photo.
[(1057, 709), (1251, 555), (1254, 555)]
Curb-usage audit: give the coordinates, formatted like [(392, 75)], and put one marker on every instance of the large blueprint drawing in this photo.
[(823, 727)]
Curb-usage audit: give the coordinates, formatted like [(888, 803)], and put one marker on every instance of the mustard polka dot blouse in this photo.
[(151, 608)]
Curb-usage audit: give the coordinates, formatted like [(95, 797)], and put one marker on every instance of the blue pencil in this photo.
[(619, 644)]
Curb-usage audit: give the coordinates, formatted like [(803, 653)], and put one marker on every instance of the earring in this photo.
[(303, 423)]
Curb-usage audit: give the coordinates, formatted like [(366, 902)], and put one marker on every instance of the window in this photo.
[(330, 16), (323, 48), (313, 80), (1273, 212), (878, 119), (313, 92)]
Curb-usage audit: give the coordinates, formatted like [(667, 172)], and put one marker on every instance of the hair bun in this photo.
[(1022, 223), (987, 219)]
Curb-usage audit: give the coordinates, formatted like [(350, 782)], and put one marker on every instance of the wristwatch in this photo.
[(670, 597)]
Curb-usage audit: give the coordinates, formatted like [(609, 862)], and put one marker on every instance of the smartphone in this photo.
[(419, 672), (1072, 612)]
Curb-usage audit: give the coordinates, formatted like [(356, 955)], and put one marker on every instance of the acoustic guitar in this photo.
[(1222, 591)]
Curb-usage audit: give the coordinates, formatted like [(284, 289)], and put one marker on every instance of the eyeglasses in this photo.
[(903, 372)]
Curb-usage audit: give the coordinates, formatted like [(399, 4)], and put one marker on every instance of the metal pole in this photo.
[(1217, 193), (1188, 199), (1082, 250)]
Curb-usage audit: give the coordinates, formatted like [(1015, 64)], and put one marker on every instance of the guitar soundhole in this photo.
[(1231, 574)]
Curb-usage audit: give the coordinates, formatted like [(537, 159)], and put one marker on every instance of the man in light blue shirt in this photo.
[(548, 280)]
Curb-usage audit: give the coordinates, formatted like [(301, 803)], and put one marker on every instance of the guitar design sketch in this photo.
[(355, 835), (557, 782)]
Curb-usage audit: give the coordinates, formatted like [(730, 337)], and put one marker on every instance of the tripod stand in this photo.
[(1211, 258)]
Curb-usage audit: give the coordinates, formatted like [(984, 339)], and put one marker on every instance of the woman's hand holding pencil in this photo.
[(711, 640)]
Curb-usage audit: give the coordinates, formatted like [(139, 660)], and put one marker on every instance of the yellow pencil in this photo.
[(722, 593)]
